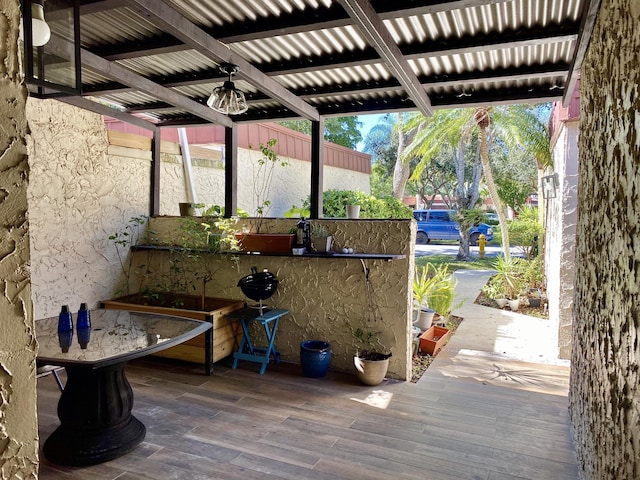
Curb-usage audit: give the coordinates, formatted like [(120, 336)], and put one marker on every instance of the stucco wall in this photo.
[(18, 415), (561, 218), (605, 378), (83, 190), (325, 295), (78, 196), (290, 184)]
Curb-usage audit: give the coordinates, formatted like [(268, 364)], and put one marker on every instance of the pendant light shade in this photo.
[(41, 33), (228, 99)]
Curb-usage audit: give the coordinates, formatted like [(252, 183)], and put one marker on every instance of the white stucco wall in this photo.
[(290, 184), (561, 231), (83, 190)]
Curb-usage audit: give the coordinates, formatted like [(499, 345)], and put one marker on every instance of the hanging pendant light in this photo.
[(39, 28), (228, 99)]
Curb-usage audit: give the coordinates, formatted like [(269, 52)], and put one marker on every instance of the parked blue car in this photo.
[(439, 225)]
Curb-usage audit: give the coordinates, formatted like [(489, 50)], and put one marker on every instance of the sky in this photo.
[(368, 121)]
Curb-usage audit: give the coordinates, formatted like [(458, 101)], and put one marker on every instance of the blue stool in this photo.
[(247, 351)]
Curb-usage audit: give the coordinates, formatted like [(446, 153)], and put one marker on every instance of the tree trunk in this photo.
[(491, 186), (402, 169)]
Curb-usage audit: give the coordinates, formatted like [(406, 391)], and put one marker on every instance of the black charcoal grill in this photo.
[(259, 286)]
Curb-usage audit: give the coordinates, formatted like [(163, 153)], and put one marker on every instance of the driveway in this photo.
[(452, 250)]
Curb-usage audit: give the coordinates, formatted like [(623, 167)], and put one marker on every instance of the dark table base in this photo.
[(95, 416)]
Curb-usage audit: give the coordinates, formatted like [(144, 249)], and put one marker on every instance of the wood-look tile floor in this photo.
[(238, 424)]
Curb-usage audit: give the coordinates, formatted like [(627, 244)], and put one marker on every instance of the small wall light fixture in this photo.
[(228, 99), (550, 186)]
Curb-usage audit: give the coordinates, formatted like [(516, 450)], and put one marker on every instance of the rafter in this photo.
[(373, 29), (102, 109), (132, 79), (173, 22), (322, 17)]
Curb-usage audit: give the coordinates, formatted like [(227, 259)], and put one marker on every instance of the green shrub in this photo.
[(334, 202), (525, 231)]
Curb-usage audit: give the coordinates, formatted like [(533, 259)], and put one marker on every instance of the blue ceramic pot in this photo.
[(315, 356)]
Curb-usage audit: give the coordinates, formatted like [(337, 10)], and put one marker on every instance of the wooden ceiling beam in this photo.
[(584, 35), (103, 109), (132, 79), (286, 23), (373, 29), (170, 20)]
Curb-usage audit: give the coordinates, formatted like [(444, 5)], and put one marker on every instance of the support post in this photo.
[(317, 167), (154, 201), (230, 170)]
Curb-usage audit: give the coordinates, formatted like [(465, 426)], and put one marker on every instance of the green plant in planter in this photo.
[(263, 171), (509, 276), (442, 292), (133, 233), (213, 234)]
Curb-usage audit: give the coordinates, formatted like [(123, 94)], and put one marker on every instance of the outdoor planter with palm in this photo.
[(433, 294)]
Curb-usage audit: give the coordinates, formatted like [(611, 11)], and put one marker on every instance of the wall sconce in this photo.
[(52, 47), (228, 99), (550, 186)]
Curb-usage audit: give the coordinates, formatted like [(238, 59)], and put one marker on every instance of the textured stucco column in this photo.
[(18, 413), (561, 217), (605, 377)]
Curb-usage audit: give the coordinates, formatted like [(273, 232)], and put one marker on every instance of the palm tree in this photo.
[(514, 124)]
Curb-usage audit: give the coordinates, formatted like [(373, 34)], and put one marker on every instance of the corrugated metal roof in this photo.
[(318, 56)]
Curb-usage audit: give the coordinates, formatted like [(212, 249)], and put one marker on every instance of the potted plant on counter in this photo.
[(252, 238)]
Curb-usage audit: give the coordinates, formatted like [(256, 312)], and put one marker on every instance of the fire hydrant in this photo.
[(482, 241)]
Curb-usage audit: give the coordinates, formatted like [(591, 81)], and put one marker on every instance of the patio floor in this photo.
[(487, 412)]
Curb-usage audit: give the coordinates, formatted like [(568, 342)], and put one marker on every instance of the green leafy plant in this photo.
[(132, 234), (442, 292), (318, 230), (263, 172), (509, 276), (423, 284), (334, 202), (525, 230), (213, 234)]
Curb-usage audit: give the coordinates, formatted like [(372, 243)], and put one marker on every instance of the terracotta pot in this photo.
[(266, 242), (433, 340)]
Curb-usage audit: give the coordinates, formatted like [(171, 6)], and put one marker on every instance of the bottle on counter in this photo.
[(65, 320), (65, 329), (83, 326), (84, 317)]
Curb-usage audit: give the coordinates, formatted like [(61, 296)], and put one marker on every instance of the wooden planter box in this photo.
[(266, 242), (227, 332), (433, 340)]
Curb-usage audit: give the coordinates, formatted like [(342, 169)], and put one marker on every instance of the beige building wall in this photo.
[(84, 189), (605, 376), (18, 413), (290, 184), (327, 297), (561, 217)]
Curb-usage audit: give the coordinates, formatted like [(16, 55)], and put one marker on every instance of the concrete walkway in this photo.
[(501, 386)]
